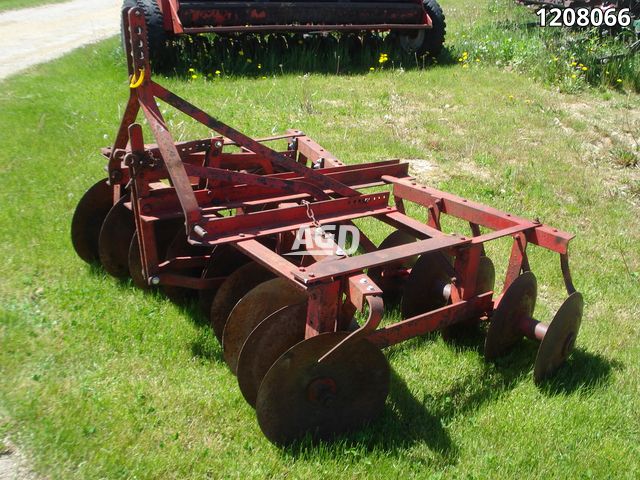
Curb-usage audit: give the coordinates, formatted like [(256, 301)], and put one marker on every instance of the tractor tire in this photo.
[(156, 35), (427, 42)]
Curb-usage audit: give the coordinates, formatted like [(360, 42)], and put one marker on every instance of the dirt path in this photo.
[(13, 465), (35, 35)]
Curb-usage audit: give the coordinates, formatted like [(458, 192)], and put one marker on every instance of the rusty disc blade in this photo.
[(179, 246), (165, 231), (115, 239), (87, 221), (300, 396), (424, 289), (386, 276), (486, 282), (266, 343), (517, 303), (223, 262), (236, 286), (560, 338), (253, 308), (135, 265)]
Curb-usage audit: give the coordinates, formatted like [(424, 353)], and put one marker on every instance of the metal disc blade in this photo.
[(87, 221), (236, 286), (300, 396), (165, 231), (253, 308), (517, 303), (423, 291), (385, 276), (179, 246), (485, 282), (223, 262), (135, 265), (115, 239), (267, 342), (560, 338)]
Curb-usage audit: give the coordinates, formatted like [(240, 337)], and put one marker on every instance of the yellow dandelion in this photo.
[(264, 78), (573, 64), (249, 60), (241, 53), (555, 59), (460, 59), (194, 77), (574, 76), (619, 80), (259, 66), (371, 69), (584, 69), (218, 72)]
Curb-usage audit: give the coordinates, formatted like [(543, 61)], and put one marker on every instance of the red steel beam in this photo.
[(270, 222), (473, 308), (538, 234), (335, 268)]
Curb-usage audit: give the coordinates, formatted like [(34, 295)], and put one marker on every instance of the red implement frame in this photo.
[(240, 197), (193, 17)]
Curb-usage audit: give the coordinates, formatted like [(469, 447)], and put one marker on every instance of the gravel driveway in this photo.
[(35, 35)]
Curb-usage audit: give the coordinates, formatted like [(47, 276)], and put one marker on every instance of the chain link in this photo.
[(311, 215)]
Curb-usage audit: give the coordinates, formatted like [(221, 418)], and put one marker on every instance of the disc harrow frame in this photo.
[(255, 198)]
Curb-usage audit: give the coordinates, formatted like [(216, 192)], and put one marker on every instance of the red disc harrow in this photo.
[(219, 217)]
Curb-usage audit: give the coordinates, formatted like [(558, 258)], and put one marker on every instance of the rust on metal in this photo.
[(236, 207)]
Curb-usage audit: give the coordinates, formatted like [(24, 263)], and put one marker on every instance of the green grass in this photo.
[(16, 4), (499, 33), (98, 380)]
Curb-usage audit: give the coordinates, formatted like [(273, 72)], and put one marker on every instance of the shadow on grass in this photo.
[(205, 345), (404, 422), (584, 372), (257, 56)]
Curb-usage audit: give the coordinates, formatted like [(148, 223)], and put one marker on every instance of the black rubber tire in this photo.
[(156, 35), (427, 42)]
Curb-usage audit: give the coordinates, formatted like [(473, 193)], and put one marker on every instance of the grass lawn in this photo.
[(98, 380), (15, 4)]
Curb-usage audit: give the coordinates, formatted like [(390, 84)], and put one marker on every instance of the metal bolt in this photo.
[(364, 280), (155, 281), (241, 235), (201, 232), (312, 275), (370, 288), (302, 269), (218, 144)]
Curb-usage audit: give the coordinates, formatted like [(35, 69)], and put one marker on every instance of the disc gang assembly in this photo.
[(217, 218)]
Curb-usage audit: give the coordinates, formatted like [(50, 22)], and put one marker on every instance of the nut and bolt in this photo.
[(155, 281)]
